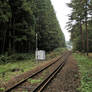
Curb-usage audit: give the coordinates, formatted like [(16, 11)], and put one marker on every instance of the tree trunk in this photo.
[(10, 44), (82, 40), (12, 23), (87, 47), (29, 47), (4, 38)]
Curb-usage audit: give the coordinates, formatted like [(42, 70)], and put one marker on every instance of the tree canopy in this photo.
[(20, 20), (80, 24)]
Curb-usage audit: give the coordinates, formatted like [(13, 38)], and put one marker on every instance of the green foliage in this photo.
[(2, 89), (15, 67), (85, 68), (47, 26), (76, 37), (35, 81), (80, 21), (5, 13), (22, 56), (61, 50), (3, 59), (22, 19), (56, 52)]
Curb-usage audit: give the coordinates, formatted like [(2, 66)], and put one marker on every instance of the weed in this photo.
[(2, 89), (33, 81), (85, 68), (24, 62)]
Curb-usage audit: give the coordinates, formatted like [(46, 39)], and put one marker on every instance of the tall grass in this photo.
[(85, 68), (19, 63)]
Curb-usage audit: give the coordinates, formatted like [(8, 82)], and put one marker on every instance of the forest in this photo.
[(80, 25), (27, 26), (21, 20)]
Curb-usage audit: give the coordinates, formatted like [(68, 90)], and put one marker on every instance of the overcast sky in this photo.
[(62, 11)]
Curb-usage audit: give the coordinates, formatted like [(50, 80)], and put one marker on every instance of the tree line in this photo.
[(20, 20), (80, 25)]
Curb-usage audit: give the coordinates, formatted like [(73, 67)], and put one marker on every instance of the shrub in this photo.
[(3, 59), (15, 57), (23, 56)]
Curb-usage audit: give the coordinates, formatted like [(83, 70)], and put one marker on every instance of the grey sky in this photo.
[(62, 10)]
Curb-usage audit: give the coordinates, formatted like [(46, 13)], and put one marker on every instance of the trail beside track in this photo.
[(67, 80)]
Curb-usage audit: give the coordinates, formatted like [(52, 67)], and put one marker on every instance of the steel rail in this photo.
[(34, 74), (43, 84)]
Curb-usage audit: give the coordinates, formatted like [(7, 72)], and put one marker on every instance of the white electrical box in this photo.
[(40, 55)]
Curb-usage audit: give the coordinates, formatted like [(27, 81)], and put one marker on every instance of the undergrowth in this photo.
[(85, 68), (16, 64)]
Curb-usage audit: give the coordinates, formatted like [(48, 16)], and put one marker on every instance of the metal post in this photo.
[(36, 42), (36, 47)]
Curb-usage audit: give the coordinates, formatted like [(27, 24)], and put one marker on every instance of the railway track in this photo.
[(42, 85), (60, 62)]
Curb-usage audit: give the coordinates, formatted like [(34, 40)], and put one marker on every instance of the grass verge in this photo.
[(85, 69), (16, 67)]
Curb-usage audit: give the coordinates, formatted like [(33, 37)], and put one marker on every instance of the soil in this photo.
[(67, 80)]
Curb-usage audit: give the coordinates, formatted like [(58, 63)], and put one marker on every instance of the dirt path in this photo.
[(67, 79)]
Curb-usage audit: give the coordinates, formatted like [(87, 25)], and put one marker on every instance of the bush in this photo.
[(15, 57), (61, 50), (23, 56), (3, 59)]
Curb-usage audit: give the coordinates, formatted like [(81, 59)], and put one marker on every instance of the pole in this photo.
[(36, 47)]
